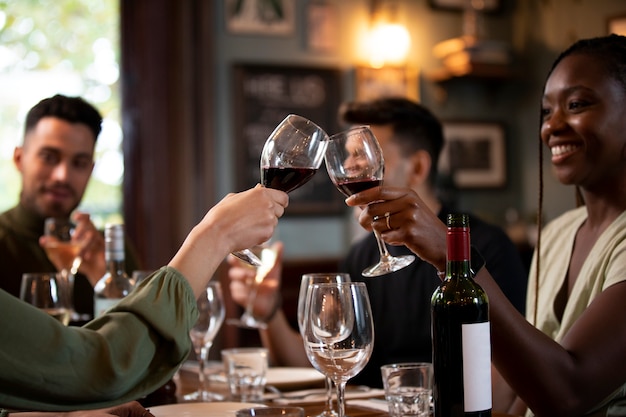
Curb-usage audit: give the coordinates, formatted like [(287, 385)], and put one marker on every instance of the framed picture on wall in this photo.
[(263, 96), (388, 81), (474, 154), (487, 5), (263, 17)]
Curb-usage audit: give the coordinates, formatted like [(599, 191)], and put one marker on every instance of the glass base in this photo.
[(388, 266), (247, 322), (204, 396), (327, 413), (248, 257)]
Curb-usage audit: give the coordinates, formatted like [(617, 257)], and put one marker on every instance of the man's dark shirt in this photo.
[(401, 300), (20, 252)]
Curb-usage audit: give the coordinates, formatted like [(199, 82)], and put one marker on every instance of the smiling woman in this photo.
[(48, 47)]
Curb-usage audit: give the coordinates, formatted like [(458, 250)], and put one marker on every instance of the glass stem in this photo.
[(329, 395), (341, 398), (382, 248), (251, 297), (202, 362)]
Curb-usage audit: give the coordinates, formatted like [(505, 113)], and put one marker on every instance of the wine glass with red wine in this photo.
[(355, 163), (292, 154)]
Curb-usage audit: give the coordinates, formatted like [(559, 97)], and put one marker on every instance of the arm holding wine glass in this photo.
[(283, 342), (138, 345)]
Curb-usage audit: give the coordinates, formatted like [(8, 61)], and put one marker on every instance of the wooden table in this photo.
[(187, 382)]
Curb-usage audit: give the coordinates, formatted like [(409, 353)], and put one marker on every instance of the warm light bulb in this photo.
[(389, 43)]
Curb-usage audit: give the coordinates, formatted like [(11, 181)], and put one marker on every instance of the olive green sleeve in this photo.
[(123, 355)]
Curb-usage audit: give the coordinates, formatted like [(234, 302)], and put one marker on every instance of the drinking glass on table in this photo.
[(50, 292), (305, 286), (354, 161), (212, 311), (62, 250), (338, 332), (292, 154), (248, 320)]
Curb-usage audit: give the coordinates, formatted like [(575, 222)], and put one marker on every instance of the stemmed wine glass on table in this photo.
[(268, 255), (62, 250), (49, 292), (338, 332), (354, 161), (212, 311), (305, 286)]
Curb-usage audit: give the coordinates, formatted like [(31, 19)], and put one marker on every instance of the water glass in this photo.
[(408, 388), (246, 370)]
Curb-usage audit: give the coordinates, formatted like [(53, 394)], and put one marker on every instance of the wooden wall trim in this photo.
[(167, 120)]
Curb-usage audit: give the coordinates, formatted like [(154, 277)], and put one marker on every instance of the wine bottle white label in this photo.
[(476, 366)]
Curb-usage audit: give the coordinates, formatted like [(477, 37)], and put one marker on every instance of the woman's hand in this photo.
[(402, 218)]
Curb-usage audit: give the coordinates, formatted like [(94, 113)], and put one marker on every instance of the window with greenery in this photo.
[(69, 47)]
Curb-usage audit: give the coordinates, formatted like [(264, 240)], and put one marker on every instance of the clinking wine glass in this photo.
[(354, 161), (292, 154), (305, 286), (267, 254), (212, 311), (338, 332)]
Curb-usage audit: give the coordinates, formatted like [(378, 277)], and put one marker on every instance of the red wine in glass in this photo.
[(354, 161), (350, 187), (286, 178)]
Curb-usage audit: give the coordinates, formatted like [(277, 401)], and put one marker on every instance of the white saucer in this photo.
[(215, 409)]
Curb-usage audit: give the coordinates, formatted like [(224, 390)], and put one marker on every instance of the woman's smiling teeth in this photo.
[(563, 149)]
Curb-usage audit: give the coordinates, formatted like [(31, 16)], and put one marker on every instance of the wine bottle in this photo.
[(115, 284), (460, 332)]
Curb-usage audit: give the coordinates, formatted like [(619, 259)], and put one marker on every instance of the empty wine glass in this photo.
[(354, 161), (305, 285), (212, 311), (292, 154), (267, 255), (338, 332), (49, 292)]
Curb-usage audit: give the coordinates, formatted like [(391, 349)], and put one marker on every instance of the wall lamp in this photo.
[(388, 41)]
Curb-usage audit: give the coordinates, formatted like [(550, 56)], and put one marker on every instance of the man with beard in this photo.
[(55, 162)]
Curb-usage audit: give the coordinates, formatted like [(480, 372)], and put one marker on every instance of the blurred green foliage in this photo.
[(76, 41)]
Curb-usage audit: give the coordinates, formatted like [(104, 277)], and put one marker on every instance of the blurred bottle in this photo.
[(115, 284)]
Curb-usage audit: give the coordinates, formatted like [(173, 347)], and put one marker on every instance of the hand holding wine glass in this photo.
[(292, 154), (248, 319), (354, 161), (338, 332), (62, 250), (212, 311)]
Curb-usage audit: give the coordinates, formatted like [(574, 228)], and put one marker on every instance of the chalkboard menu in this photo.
[(264, 96)]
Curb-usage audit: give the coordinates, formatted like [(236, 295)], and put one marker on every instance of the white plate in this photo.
[(216, 409), (294, 378), (280, 377)]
